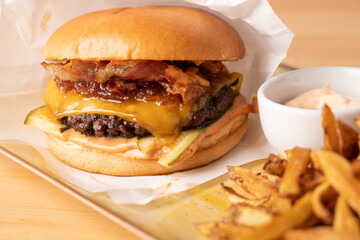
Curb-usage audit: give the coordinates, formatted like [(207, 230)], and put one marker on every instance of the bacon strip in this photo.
[(189, 85)]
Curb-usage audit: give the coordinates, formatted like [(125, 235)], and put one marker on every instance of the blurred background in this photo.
[(327, 32)]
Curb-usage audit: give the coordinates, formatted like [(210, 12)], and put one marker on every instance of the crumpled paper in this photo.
[(25, 28)]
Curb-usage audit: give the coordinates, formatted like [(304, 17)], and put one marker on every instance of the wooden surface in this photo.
[(32, 208), (326, 33)]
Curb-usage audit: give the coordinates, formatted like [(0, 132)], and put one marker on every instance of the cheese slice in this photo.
[(159, 120)]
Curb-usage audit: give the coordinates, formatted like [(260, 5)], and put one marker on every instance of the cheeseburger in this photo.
[(142, 91)]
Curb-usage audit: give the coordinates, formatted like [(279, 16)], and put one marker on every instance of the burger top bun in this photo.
[(150, 32)]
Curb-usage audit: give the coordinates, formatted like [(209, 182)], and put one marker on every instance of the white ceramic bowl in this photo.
[(286, 127)]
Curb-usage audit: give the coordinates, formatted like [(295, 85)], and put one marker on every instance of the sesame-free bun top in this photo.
[(149, 32)]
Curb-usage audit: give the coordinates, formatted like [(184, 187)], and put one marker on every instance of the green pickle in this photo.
[(146, 144), (181, 143), (172, 152), (40, 118)]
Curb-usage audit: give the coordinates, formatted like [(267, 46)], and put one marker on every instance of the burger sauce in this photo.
[(316, 98)]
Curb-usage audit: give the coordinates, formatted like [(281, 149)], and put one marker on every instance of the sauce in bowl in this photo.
[(317, 98)]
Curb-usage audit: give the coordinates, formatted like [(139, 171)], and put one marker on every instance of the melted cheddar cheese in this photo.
[(158, 120)]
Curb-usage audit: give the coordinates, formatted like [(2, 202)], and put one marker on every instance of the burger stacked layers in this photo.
[(142, 91)]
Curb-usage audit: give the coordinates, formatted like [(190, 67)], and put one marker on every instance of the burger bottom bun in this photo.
[(218, 139)]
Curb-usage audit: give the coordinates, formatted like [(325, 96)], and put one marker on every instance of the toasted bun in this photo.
[(151, 32), (211, 145)]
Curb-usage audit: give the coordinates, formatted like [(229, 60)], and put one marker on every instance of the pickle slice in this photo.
[(41, 118), (145, 144), (181, 143)]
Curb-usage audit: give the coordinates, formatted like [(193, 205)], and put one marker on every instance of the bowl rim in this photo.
[(262, 98)]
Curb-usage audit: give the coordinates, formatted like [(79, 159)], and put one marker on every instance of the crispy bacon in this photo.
[(187, 84), (120, 90)]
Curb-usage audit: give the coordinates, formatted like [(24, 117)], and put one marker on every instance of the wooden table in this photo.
[(326, 33)]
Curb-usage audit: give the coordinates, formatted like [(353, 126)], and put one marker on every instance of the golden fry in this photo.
[(295, 198), (258, 185), (254, 105), (356, 167), (295, 216), (358, 157), (219, 230), (314, 162), (279, 204), (345, 220), (339, 173), (205, 228), (311, 222), (311, 179), (321, 194), (348, 141), (288, 153), (331, 138), (312, 184), (319, 233), (249, 216), (290, 183), (357, 122), (240, 189), (275, 165), (235, 197)]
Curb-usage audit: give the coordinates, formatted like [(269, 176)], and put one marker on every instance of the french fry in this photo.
[(288, 153), (205, 228), (239, 188), (315, 162), (357, 122), (345, 220), (311, 222), (295, 198), (254, 105), (331, 138), (295, 216), (249, 216), (356, 168), (220, 230), (235, 197), (319, 233), (258, 185), (311, 179), (279, 204), (290, 183), (348, 141), (275, 165), (339, 173), (312, 184), (320, 195)]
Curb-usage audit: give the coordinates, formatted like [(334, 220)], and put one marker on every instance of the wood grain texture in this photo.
[(327, 32), (32, 208)]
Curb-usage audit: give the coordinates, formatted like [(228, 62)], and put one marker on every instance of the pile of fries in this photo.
[(308, 195)]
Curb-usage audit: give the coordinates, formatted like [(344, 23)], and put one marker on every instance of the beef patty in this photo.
[(100, 125)]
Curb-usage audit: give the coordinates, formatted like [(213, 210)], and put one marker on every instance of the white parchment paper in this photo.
[(25, 27)]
